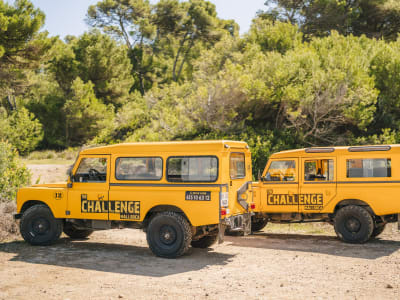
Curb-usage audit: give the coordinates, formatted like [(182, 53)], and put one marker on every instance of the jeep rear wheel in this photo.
[(354, 224), (169, 234), (205, 241), (39, 227), (74, 233)]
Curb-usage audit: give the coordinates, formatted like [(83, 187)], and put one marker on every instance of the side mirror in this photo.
[(69, 182)]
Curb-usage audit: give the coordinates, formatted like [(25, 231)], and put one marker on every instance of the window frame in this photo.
[(230, 156), (190, 156), (79, 161), (312, 159), (115, 168), (270, 162), (370, 158)]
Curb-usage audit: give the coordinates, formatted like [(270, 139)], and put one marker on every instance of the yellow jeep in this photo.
[(180, 193), (353, 188)]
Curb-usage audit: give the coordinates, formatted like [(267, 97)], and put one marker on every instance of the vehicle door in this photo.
[(317, 183), (280, 185), (88, 196), (239, 182)]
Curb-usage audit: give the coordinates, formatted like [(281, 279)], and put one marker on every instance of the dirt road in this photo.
[(117, 264), (281, 262)]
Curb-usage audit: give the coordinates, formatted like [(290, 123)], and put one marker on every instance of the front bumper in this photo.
[(17, 216)]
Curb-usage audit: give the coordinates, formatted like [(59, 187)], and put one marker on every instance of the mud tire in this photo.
[(354, 224), (169, 234), (38, 226)]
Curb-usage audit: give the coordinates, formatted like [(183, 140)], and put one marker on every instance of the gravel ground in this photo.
[(117, 264)]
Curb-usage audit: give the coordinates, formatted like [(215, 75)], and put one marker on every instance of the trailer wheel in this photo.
[(378, 230), (169, 234), (205, 241), (74, 233), (354, 224), (39, 227), (258, 224)]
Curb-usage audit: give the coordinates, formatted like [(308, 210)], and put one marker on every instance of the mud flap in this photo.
[(221, 233), (247, 224)]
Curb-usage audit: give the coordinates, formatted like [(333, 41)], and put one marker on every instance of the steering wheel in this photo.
[(94, 173)]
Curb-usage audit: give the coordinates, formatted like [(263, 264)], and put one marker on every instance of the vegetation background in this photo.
[(307, 73)]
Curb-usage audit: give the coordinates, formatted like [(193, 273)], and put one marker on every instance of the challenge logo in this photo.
[(126, 209), (309, 201)]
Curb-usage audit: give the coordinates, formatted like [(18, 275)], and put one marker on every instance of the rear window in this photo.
[(372, 167), (192, 169), (138, 168), (237, 166)]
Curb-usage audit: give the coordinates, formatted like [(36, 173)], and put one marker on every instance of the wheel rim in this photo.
[(40, 226), (353, 225), (167, 235)]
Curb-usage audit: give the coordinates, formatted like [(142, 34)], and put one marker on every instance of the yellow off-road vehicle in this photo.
[(354, 188), (180, 193)]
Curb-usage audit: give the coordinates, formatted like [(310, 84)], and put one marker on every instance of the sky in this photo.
[(67, 17)]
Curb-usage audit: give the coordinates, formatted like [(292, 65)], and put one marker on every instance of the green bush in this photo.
[(13, 174)]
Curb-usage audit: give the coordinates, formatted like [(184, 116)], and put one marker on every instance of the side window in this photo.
[(92, 169), (319, 170), (237, 166), (281, 170), (192, 169), (138, 168), (372, 167)]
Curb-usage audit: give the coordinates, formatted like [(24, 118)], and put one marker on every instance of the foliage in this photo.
[(21, 129), (374, 18), (13, 175), (22, 46), (306, 73)]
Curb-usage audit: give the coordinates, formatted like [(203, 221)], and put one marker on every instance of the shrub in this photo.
[(13, 175)]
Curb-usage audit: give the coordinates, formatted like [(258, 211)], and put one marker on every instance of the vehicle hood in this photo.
[(52, 185)]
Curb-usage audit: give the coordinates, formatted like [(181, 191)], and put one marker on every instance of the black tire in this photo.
[(354, 224), (74, 233), (258, 224), (205, 241), (39, 227), (169, 234), (378, 230)]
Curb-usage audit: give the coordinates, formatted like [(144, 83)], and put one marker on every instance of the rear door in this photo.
[(317, 183), (280, 186)]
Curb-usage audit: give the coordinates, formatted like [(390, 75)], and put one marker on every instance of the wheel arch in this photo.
[(161, 208), (30, 203), (357, 202)]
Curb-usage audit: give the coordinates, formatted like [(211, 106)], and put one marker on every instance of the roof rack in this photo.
[(320, 150), (369, 148)]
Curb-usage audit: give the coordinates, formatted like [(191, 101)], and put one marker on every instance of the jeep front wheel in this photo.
[(354, 224), (39, 227), (169, 234)]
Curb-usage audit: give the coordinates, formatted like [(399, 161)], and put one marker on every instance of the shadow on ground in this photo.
[(330, 245), (114, 258)]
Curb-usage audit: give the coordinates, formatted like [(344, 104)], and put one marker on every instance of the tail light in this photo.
[(223, 211), (252, 205)]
